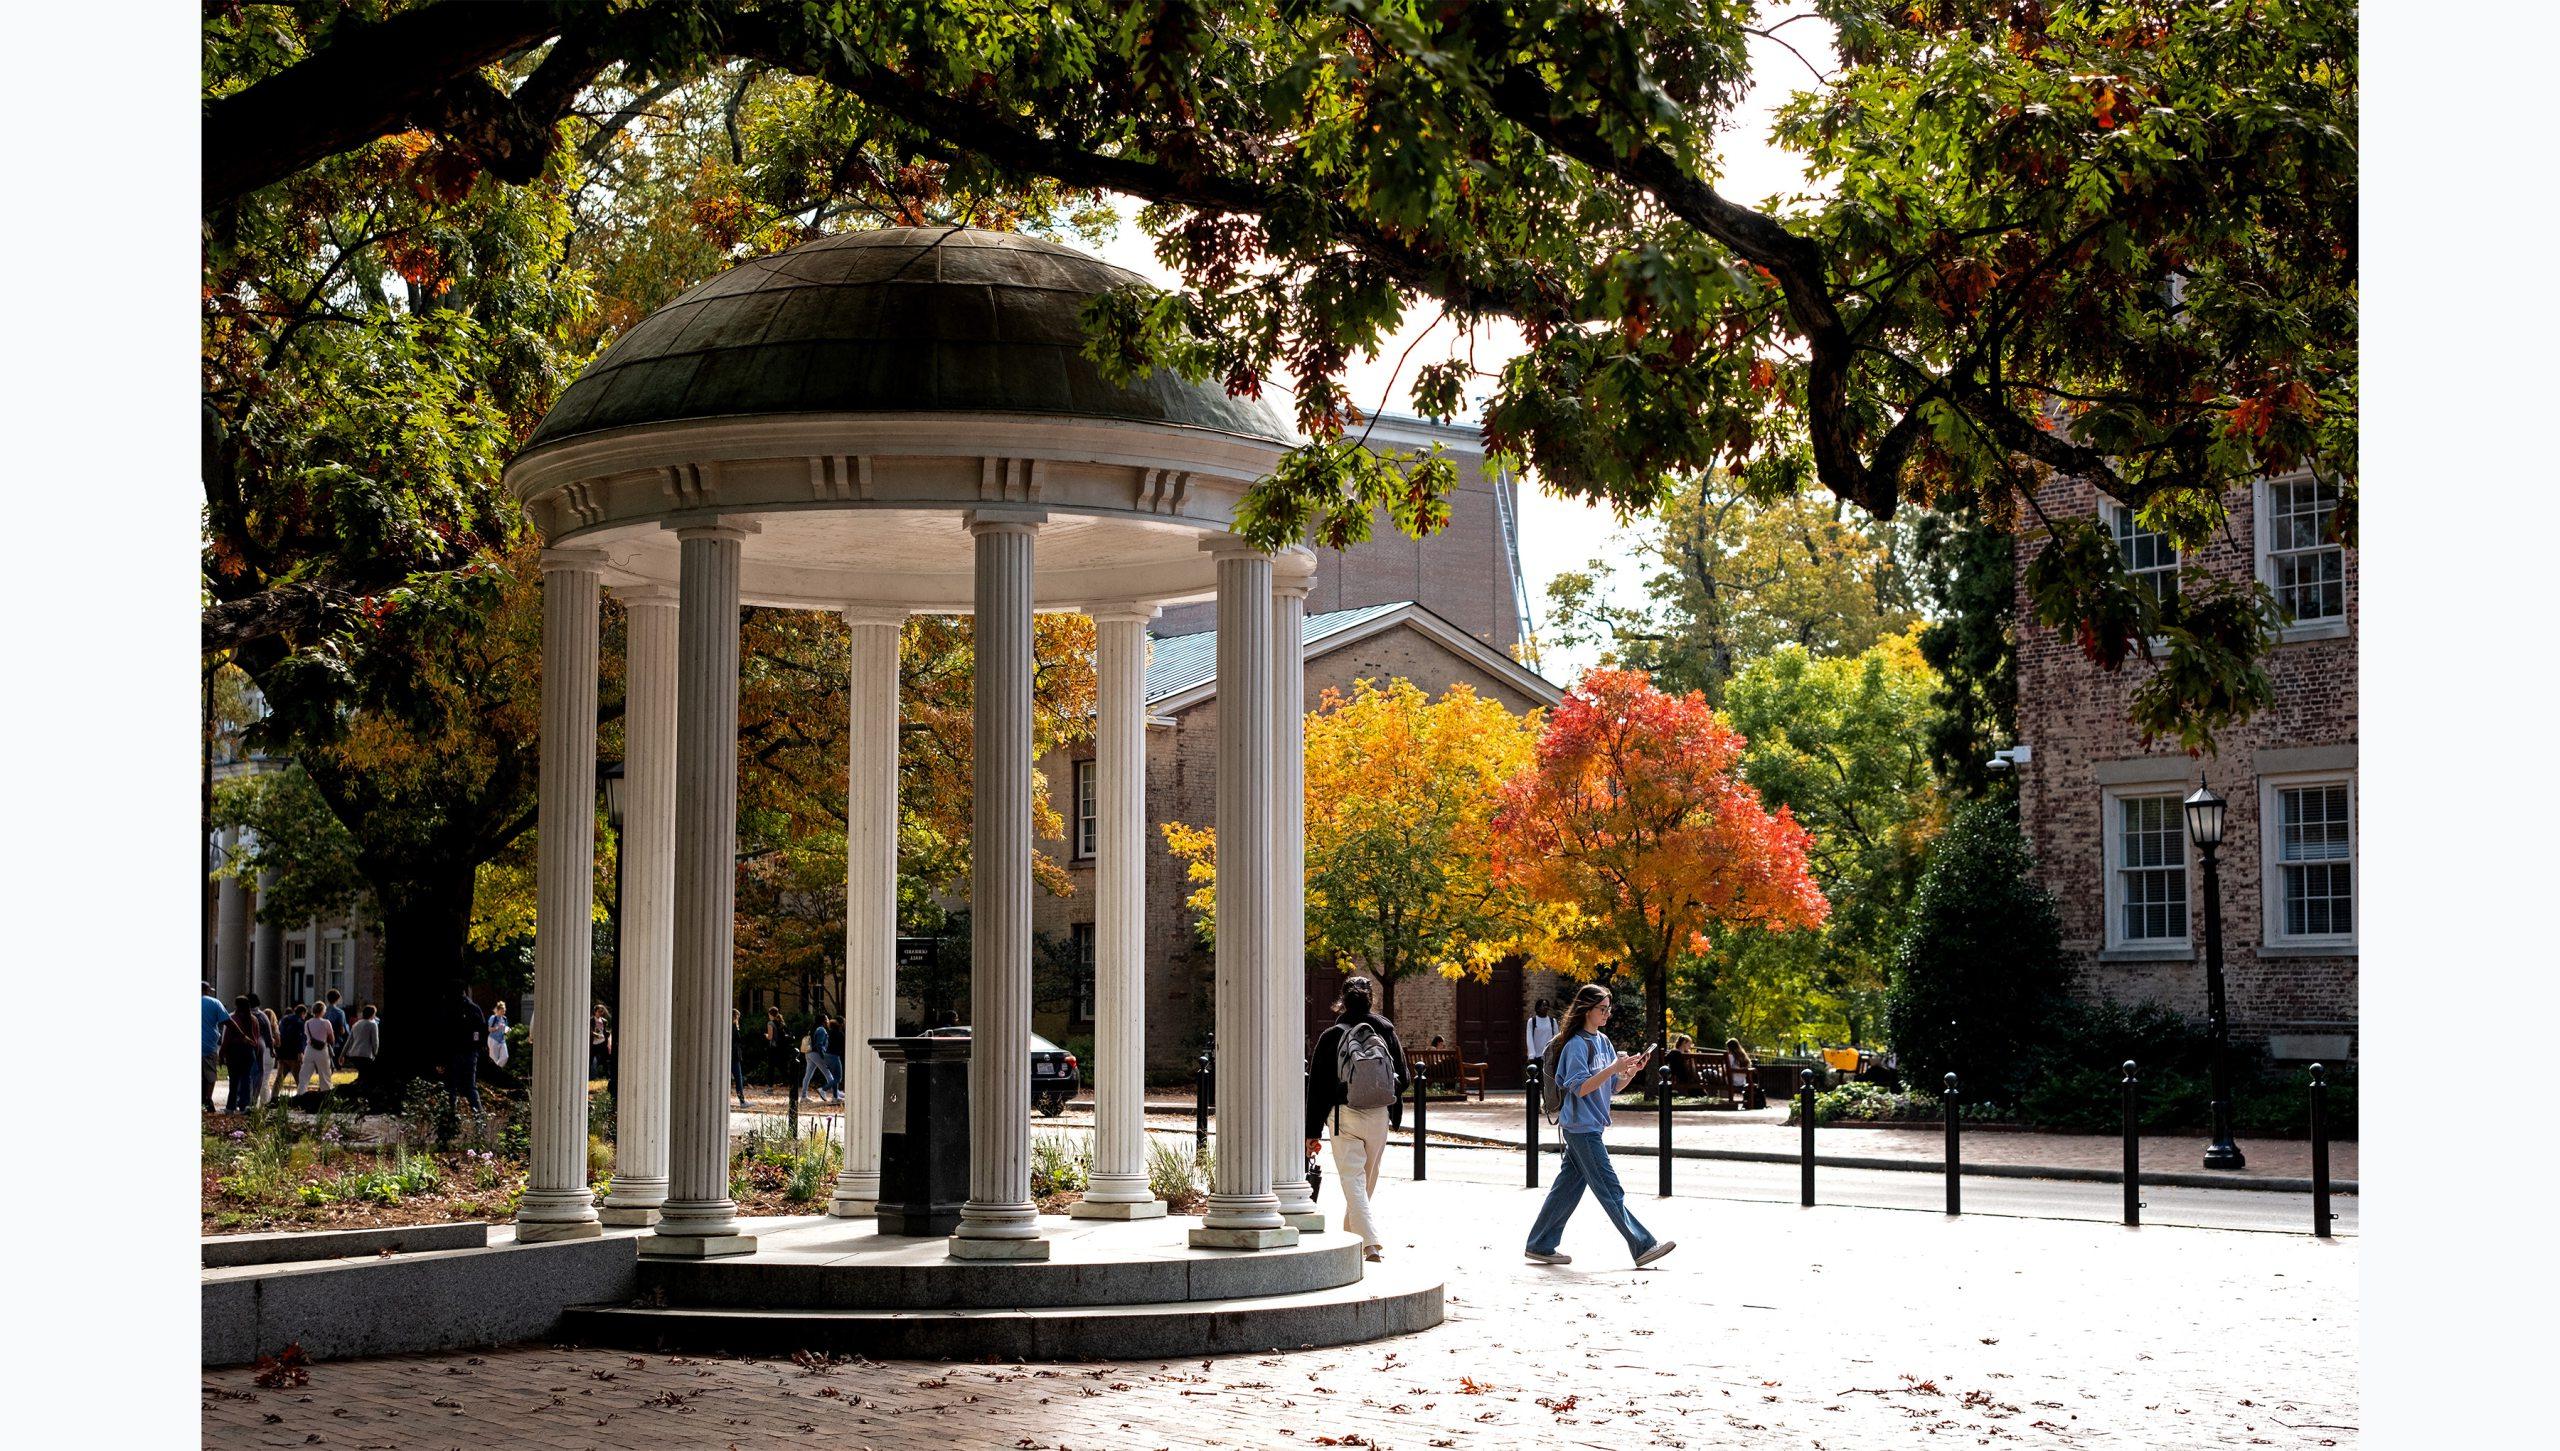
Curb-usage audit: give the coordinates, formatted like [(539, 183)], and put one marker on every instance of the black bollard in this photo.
[(1804, 1112), (2132, 1150), (1421, 1115), (2320, 1215), (1662, 1101), (1955, 1154), (1201, 1085), (1536, 1092)]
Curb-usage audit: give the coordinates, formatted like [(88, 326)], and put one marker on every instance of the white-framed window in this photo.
[(2310, 846), (2146, 865), (2300, 556), (1080, 937), (1086, 814), (2148, 554), (339, 953)]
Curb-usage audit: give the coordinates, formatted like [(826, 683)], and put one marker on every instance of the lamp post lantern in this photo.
[(2205, 812)]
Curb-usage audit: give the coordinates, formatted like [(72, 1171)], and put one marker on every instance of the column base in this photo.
[(843, 1208), (1307, 1223), (696, 1246), (628, 1214), (999, 1249), (1207, 1238), (1116, 1209), (539, 1231)]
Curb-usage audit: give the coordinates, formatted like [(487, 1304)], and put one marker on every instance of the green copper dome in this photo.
[(904, 320)]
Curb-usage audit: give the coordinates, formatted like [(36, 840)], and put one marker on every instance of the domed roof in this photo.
[(901, 320)]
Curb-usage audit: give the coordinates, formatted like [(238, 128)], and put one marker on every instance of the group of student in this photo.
[(1355, 1085), (267, 1054)]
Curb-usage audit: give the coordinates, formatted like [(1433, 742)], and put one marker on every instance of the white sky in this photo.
[(1556, 534)]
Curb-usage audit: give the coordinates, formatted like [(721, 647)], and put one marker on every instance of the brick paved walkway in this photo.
[(1770, 1326)]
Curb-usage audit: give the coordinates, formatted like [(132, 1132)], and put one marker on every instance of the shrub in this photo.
[(1173, 1175), (1979, 976), (1060, 1163)]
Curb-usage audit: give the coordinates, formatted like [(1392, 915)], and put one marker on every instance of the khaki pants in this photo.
[(313, 1071), (1359, 1152)]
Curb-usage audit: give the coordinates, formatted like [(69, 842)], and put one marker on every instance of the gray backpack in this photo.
[(1550, 1092), (1367, 1071)]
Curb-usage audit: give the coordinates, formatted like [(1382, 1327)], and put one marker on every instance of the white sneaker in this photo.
[(1548, 1257), (1660, 1248)]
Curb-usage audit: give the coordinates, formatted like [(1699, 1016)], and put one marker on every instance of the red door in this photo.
[(1490, 1023)]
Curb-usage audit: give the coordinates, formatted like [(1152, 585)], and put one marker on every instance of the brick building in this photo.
[(1441, 611), (2101, 810)]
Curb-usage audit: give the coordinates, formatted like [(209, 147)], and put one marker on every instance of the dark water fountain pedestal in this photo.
[(924, 1134)]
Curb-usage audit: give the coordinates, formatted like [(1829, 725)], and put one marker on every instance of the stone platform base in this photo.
[(1207, 1238), (1110, 1288), (538, 1232), (695, 1246), (998, 1249), (628, 1216), (1304, 1224), (1088, 1209)]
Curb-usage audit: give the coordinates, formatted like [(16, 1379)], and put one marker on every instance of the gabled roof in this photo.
[(1182, 670)]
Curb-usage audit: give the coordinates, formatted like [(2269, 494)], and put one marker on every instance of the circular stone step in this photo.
[(1395, 1301), (837, 1265)]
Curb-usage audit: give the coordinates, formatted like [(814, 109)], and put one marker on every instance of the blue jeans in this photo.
[(1586, 1165)]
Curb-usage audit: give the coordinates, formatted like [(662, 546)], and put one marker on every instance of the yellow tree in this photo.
[(1401, 791)]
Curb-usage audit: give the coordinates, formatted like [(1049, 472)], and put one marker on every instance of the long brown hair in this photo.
[(1585, 998)]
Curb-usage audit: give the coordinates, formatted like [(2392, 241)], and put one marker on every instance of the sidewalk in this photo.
[(1771, 1326), (1766, 1131), (1500, 1119)]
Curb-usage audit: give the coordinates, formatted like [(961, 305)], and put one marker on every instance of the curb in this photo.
[(2171, 1178)]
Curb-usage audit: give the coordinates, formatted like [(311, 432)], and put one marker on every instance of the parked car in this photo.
[(1054, 1072)]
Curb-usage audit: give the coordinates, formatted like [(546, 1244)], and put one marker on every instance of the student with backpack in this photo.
[(1356, 1077), (1582, 1069)]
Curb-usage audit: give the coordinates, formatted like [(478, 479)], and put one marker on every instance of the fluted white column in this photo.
[(266, 943), (1289, 898), (870, 897), (1118, 1188), (231, 927), (648, 905), (1242, 1212), (557, 1203), (698, 1218), (999, 1221)]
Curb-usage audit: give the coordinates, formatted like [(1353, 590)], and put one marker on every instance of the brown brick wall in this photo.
[(1462, 574), (2074, 716)]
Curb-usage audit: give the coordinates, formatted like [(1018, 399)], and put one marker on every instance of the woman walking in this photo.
[(320, 1041), (270, 1033), (498, 1035), (1355, 1077), (1588, 1070), (240, 1034), (364, 1043)]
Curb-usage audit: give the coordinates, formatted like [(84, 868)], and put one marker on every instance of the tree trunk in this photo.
[(426, 931)]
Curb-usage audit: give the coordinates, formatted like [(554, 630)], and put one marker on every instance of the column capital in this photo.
[(1128, 612), (1005, 521), (572, 560), (1293, 572), (645, 593), (1232, 546), (717, 526), (893, 615)]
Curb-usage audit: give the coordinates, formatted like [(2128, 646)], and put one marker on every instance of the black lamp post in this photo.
[(609, 781), (2205, 812)]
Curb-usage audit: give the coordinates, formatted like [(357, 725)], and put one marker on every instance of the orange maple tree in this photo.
[(1637, 831)]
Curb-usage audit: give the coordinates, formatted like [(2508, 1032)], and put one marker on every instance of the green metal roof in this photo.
[(900, 320), (1182, 662)]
